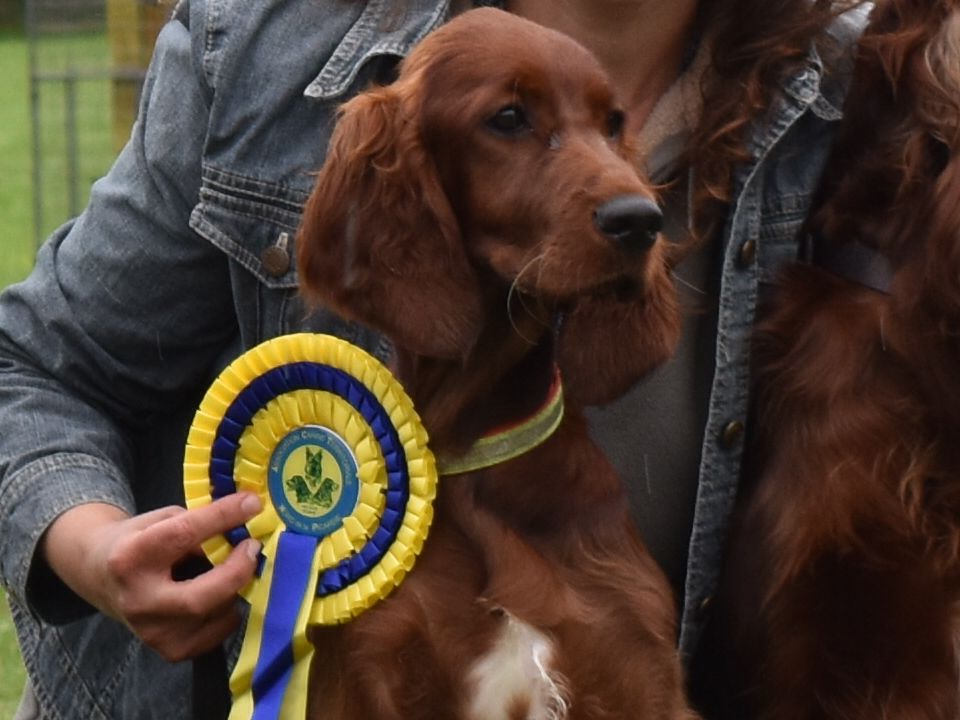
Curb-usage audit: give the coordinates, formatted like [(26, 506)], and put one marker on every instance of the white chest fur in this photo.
[(516, 673)]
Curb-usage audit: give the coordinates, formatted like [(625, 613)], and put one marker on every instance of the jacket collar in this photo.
[(385, 27)]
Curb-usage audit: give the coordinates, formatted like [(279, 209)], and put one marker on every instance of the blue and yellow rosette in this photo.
[(331, 443)]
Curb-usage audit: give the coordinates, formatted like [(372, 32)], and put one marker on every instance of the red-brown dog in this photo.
[(483, 213), (843, 597)]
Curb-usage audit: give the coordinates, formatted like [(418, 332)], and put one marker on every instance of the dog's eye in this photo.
[(615, 121), (509, 120)]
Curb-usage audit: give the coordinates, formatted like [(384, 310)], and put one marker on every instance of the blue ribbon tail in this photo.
[(291, 576)]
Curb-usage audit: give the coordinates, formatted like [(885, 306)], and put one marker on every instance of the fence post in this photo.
[(32, 23), (132, 26)]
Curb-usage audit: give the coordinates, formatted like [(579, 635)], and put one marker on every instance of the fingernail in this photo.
[(253, 548), (251, 504)]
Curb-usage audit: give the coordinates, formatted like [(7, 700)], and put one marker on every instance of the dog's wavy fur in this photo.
[(842, 596), (471, 244)]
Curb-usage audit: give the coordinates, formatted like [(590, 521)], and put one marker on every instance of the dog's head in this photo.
[(494, 167)]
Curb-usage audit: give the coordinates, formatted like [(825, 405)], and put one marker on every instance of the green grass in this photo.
[(70, 162), (11, 668), (16, 198), (16, 258), (64, 185)]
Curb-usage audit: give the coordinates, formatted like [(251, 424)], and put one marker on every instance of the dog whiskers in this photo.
[(521, 297), (690, 286), (513, 324)]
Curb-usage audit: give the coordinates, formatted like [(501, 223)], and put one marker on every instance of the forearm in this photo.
[(71, 548), (37, 490)]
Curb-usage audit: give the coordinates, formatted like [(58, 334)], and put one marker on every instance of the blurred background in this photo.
[(70, 78)]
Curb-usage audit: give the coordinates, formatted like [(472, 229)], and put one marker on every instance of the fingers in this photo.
[(190, 636), (180, 618), (183, 619), (187, 618), (211, 634), (177, 532), (152, 517), (220, 585)]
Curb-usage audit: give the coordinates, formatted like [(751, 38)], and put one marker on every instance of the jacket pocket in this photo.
[(780, 234), (255, 224)]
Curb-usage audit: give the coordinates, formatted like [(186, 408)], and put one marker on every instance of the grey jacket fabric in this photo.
[(134, 306)]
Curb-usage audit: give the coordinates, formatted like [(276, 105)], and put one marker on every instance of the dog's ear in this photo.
[(606, 344), (379, 242)]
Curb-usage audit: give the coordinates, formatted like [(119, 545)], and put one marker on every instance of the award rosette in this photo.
[(331, 443)]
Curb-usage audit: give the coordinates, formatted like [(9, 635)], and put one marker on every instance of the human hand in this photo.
[(124, 567)]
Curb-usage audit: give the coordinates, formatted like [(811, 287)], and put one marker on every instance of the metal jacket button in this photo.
[(731, 434), (276, 258), (748, 253)]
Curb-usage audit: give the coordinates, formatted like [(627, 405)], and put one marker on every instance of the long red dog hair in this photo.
[(843, 587)]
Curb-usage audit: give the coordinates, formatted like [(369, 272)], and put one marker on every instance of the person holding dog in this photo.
[(183, 259)]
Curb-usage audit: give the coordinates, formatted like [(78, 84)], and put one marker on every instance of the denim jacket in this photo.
[(134, 307)]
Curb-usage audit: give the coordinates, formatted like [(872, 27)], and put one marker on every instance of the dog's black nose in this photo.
[(632, 221)]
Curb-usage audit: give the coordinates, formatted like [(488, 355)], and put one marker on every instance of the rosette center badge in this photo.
[(313, 480)]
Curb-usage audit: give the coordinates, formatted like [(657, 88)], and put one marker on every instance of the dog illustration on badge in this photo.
[(312, 488)]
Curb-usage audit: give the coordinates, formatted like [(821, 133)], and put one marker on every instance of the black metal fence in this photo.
[(86, 64)]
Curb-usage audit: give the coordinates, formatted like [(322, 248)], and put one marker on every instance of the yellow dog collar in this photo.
[(511, 441)]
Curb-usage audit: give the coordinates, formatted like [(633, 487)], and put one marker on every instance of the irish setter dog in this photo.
[(843, 595), (484, 213)]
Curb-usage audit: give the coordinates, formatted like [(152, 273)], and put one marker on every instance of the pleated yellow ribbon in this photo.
[(332, 444)]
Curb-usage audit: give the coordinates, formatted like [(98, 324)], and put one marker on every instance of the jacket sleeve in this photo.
[(123, 315)]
